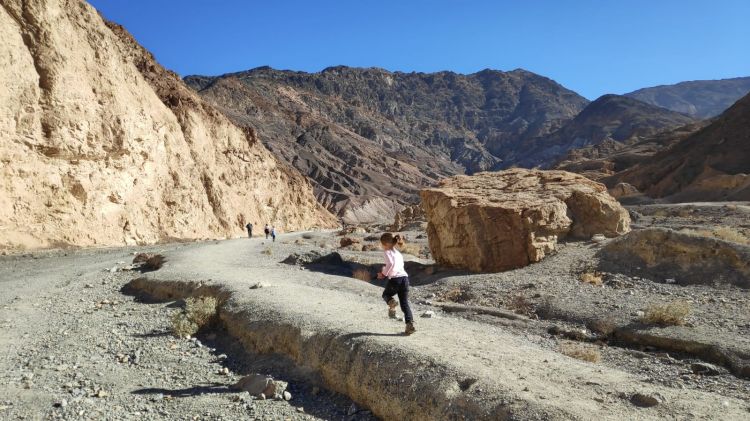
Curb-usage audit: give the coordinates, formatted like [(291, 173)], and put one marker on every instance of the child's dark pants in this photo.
[(400, 287)]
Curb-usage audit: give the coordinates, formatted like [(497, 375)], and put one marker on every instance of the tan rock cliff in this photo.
[(100, 145)]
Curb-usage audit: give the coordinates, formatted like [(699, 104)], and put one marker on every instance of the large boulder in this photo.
[(494, 221)]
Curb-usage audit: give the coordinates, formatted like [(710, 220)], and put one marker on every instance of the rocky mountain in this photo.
[(698, 98), (612, 119), (711, 164), (369, 139), (609, 157), (102, 146)]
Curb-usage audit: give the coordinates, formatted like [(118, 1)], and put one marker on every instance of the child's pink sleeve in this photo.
[(389, 263)]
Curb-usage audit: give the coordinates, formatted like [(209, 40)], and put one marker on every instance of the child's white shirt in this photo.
[(394, 264)]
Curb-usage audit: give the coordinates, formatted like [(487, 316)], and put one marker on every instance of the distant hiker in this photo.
[(398, 279), (267, 231), (249, 227), (273, 234)]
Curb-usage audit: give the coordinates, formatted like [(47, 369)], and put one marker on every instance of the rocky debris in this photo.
[(645, 401), (348, 241), (705, 369), (499, 221), (428, 314), (302, 258), (164, 164), (409, 218), (662, 254), (621, 190)]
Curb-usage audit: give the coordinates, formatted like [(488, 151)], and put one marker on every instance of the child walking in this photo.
[(398, 279)]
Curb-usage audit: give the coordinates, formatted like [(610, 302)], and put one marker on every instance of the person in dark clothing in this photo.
[(267, 231), (249, 227)]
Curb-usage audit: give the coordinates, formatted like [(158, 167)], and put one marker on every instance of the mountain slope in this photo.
[(711, 164), (102, 146), (613, 118), (699, 98), (370, 139)]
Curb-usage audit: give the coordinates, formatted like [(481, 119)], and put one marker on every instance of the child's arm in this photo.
[(390, 262)]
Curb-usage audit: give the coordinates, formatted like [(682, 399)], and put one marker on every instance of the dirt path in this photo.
[(315, 317), (67, 353)]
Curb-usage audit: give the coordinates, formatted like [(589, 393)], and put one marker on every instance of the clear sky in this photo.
[(591, 46)]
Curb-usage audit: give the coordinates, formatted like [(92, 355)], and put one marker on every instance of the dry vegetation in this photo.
[(722, 233), (669, 314), (593, 278), (456, 295), (198, 313), (362, 274), (521, 305), (267, 251), (582, 352)]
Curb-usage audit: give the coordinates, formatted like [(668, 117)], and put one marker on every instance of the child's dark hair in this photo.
[(392, 240)]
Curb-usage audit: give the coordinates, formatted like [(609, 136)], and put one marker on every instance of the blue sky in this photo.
[(591, 46)]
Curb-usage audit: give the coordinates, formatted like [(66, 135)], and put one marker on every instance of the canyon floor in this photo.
[(84, 339)]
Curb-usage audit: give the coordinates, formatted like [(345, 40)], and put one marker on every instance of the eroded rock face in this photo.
[(100, 145), (504, 220), (660, 253)]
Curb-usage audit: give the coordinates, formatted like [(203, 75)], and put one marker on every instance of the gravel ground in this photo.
[(75, 347)]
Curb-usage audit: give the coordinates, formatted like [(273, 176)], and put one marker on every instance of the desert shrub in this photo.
[(362, 274), (198, 313), (456, 295), (582, 352), (723, 233), (604, 326), (521, 305), (307, 236), (154, 262), (267, 251), (668, 314), (593, 278)]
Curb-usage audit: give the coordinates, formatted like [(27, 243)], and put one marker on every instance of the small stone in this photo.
[(113, 269), (352, 410), (287, 396), (645, 401), (262, 396), (300, 409), (639, 314), (88, 286), (101, 394), (705, 369), (256, 285), (428, 314), (670, 281), (400, 318)]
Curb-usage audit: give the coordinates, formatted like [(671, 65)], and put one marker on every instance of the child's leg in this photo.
[(403, 300), (389, 291)]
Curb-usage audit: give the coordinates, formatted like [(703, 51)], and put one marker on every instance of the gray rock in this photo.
[(287, 396), (645, 401), (428, 314), (705, 369)]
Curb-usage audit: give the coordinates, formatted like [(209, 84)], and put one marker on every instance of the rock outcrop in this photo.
[(102, 146), (662, 254), (370, 139), (498, 221), (410, 217)]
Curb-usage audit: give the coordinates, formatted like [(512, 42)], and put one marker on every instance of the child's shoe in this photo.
[(409, 329), (392, 308)]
